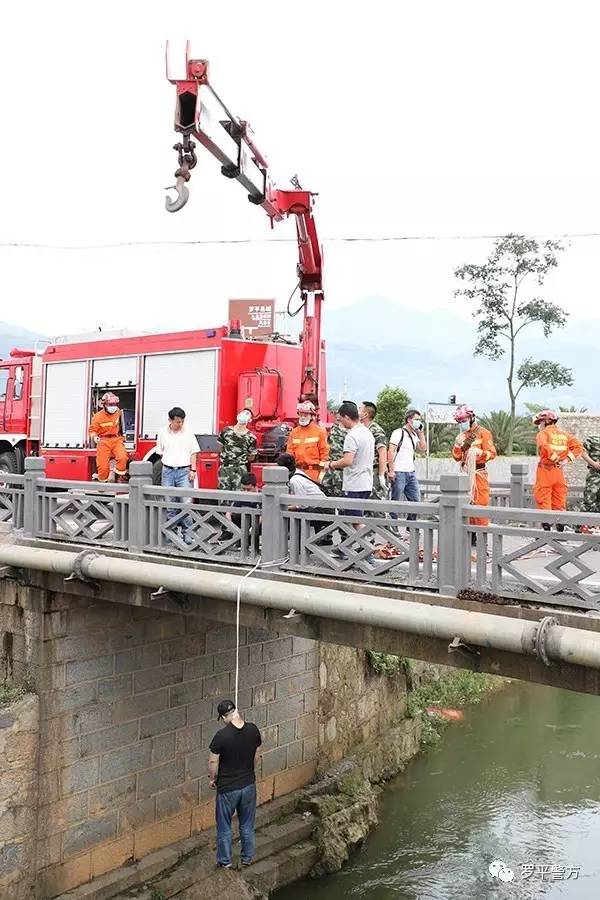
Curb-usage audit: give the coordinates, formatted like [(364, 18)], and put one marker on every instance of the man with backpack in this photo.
[(401, 458)]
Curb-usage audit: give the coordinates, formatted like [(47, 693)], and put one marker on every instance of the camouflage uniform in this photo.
[(235, 457), (591, 491), (332, 479), (380, 441)]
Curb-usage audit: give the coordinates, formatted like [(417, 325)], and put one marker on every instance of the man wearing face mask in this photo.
[(473, 449), (107, 433), (307, 442), (401, 458), (238, 450)]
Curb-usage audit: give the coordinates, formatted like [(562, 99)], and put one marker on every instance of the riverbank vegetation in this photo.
[(452, 690)]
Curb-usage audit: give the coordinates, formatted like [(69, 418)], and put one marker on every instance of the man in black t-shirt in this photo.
[(234, 751)]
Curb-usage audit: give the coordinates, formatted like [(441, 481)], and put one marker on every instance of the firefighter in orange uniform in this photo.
[(105, 429), (555, 447), (307, 442), (474, 437)]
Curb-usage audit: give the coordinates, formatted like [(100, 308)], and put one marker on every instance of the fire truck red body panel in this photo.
[(261, 375)]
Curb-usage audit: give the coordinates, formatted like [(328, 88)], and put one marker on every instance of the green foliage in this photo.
[(523, 432), (157, 893), (441, 438), (392, 403), (333, 405), (544, 373), (10, 693), (535, 408), (502, 312), (385, 663), (459, 688)]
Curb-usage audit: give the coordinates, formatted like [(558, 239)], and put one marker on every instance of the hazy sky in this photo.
[(408, 118)]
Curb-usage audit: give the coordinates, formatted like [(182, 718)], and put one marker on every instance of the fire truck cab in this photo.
[(19, 408), (211, 374)]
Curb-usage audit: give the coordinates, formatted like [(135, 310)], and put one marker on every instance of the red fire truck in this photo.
[(47, 401)]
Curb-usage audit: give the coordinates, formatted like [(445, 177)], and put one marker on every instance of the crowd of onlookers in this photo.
[(351, 458)]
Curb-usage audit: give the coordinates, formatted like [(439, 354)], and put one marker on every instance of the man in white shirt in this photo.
[(300, 485), (178, 448), (401, 458), (357, 460)]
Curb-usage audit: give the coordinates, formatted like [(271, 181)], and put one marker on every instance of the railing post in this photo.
[(35, 468), (518, 474), (140, 475), (275, 485), (454, 494)]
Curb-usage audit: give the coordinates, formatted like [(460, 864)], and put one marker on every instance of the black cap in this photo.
[(224, 708)]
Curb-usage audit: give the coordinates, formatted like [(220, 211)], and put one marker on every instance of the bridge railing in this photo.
[(368, 540), (12, 491), (515, 557), (517, 492), (445, 547), (214, 525)]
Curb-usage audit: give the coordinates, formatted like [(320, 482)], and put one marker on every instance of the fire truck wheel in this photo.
[(8, 463), (157, 471)]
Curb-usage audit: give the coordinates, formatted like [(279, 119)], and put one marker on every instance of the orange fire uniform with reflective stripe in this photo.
[(107, 426), (308, 445), (555, 447), (484, 442)]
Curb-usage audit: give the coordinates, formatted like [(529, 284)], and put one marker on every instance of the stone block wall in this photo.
[(19, 733), (127, 706), (583, 425), (355, 704)]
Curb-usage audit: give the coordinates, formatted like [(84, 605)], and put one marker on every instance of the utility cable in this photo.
[(350, 239)]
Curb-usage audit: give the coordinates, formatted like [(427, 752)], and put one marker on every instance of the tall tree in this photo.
[(501, 288), (392, 403)]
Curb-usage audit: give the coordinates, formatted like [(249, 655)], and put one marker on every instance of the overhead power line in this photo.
[(30, 245)]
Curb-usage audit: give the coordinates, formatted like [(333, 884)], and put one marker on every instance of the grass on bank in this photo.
[(454, 691), (10, 691)]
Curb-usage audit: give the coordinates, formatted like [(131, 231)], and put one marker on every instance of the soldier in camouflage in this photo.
[(332, 479), (591, 491), (238, 449), (367, 412)]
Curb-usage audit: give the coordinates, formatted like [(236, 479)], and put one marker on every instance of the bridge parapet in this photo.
[(428, 546)]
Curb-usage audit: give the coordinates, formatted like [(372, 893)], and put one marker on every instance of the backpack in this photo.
[(404, 431)]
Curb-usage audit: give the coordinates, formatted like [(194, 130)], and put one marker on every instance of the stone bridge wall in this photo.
[(127, 699)]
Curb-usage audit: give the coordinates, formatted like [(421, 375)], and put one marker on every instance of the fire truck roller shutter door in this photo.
[(120, 371), (65, 404), (180, 379)]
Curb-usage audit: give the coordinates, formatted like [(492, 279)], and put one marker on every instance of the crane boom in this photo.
[(201, 114)]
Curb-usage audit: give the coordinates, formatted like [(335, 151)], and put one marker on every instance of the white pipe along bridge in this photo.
[(545, 645)]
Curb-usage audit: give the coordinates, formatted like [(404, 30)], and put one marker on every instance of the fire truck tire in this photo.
[(8, 463), (20, 457), (157, 471)]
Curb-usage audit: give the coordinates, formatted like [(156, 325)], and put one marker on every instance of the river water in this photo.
[(518, 782)]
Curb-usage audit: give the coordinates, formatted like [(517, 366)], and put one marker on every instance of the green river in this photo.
[(517, 782)]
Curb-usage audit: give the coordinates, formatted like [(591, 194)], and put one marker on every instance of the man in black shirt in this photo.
[(234, 751)]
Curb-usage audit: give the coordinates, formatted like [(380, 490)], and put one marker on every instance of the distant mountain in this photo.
[(13, 336), (429, 353)]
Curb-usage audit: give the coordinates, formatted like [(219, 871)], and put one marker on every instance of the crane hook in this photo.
[(182, 195)]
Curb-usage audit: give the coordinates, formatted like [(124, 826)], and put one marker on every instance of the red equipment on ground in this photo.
[(47, 401)]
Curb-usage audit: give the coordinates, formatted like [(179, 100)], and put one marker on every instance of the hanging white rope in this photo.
[(277, 562)]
